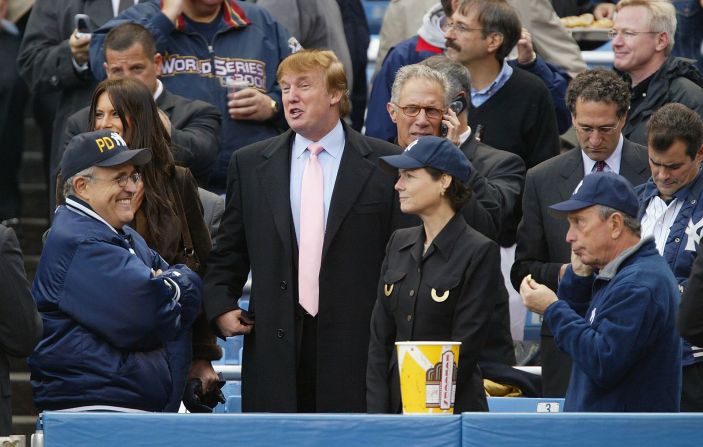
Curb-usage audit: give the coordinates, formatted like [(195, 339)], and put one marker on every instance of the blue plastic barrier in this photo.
[(469, 430), (261, 430), (582, 429), (525, 405)]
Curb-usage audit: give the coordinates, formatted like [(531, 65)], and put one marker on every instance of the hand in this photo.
[(606, 11), (172, 9), (580, 269), (197, 401), (156, 272), (537, 297), (249, 104), (79, 47), (525, 50), (234, 322), (451, 122), (165, 120), (3, 9), (203, 370)]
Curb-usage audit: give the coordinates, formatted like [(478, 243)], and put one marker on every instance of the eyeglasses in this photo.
[(459, 27), (627, 34), (121, 180), (413, 111), (602, 130)]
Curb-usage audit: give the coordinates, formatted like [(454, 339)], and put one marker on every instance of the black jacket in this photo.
[(677, 80), (461, 263), (20, 324)]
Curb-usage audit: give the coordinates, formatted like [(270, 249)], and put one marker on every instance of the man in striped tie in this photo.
[(310, 213), (598, 101), (671, 210)]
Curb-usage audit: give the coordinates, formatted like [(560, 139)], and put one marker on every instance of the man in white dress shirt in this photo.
[(671, 210)]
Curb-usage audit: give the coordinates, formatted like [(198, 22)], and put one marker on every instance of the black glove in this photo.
[(198, 402)]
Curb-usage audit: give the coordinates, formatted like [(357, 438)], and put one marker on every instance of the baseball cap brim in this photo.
[(391, 163), (137, 157), (569, 206)]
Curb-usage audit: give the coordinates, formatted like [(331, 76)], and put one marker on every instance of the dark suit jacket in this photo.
[(257, 232), (45, 61), (541, 238), (20, 324), (194, 129), (497, 179)]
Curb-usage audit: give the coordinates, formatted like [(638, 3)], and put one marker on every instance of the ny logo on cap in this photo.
[(411, 145), (109, 142)]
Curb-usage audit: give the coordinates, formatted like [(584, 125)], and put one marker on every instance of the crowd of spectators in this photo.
[(192, 144)]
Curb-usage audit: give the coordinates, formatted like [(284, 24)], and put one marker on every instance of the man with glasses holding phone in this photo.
[(598, 101), (642, 39), (671, 211), (116, 316), (419, 107)]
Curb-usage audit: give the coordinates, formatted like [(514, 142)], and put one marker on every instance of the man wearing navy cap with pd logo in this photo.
[(116, 316), (615, 309)]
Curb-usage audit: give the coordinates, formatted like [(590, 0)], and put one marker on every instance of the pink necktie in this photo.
[(312, 232)]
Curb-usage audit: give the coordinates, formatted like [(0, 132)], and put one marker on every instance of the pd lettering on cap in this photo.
[(105, 143)]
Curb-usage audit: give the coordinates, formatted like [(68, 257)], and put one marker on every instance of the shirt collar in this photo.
[(159, 89), (505, 72), (79, 206), (333, 142), (443, 243), (611, 268), (613, 161), (464, 136)]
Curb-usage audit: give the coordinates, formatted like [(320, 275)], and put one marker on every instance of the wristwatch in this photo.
[(274, 106)]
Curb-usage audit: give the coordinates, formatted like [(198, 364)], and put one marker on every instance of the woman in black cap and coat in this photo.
[(437, 278)]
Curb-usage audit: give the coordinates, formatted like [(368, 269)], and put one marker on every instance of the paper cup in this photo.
[(428, 371)]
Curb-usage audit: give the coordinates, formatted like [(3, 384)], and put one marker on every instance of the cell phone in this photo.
[(82, 23), (443, 130), (458, 104)]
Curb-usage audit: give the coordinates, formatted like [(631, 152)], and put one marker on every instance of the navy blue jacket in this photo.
[(683, 241), (249, 45), (619, 329), (112, 331)]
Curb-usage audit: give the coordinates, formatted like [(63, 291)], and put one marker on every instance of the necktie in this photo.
[(312, 232), (600, 166), (124, 4)]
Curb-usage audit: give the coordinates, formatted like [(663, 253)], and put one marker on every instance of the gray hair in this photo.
[(630, 222), (457, 74), (68, 183), (662, 16), (418, 71)]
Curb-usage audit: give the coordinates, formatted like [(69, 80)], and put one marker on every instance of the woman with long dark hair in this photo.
[(168, 212)]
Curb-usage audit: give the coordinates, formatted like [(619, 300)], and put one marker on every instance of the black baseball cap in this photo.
[(602, 188), (102, 148), (433, 152)]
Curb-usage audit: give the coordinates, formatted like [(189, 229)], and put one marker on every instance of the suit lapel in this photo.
[(571, 173), (634, 166), (274, 179), (165, 102), (354, 171)]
